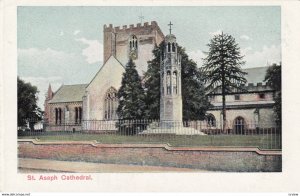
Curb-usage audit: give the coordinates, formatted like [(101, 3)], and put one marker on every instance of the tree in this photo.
[(27, 103), (195, 103), (152, 84), (273, 78), (194, 99), (222, 68), (131, 94)]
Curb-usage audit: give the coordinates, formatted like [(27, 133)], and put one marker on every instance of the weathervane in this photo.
[(170, 24), (141, 17)]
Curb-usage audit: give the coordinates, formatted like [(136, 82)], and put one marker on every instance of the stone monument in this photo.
[(171, 98), (170, 89)]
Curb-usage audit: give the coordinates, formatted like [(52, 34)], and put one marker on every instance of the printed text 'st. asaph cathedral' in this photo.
[(97, 100)]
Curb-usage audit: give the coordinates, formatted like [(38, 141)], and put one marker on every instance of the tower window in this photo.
[(133, 44), (133, 47)]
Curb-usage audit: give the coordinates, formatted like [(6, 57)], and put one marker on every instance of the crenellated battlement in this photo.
[(249, 87), (258, 85), (111, 28), (116, 38)]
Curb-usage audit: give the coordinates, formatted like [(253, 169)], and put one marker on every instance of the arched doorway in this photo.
[(239, 125)]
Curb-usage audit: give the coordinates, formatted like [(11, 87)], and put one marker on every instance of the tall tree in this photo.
[(152, 84), (222, 68), (131, 94), (27, 102), (273, 78), (195, 103)]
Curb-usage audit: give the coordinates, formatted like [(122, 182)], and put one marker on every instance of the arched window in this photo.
[(239, 125), (59, 115), (173, 47), (80, 114), (169, 47), (56, 116), (76, 115), (133, 44), (211, 120), (110, 104)]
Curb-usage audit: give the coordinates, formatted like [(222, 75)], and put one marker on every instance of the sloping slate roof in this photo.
[(256, 75), (69, 93)]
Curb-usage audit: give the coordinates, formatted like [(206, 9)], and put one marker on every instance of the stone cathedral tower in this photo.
[(171, 99)]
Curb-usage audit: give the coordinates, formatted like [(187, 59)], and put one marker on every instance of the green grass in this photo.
[(261, 141)]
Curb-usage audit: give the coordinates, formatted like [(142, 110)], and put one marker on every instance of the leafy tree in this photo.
[(195, 102), (273, 78), (222, 68), (27, 103), (194, 99), (131, 94)]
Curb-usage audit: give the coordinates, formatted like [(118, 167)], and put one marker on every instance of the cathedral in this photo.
[(75, 105)]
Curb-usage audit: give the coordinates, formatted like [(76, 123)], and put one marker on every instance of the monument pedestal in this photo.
[(176, 128)]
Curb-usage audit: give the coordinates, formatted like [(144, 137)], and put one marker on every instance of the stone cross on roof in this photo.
[(170, 24)]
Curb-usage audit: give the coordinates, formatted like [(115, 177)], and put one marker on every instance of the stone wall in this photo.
[(244, 97), (204, 158), (67, 112), (109, 76), (266, 117)]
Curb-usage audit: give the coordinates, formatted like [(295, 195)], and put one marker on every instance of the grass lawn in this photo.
[(261, 141)]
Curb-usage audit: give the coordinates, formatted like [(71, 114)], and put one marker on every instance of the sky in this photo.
[(64, 45)]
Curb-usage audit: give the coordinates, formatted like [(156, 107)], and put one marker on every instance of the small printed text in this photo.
[(63, 177)]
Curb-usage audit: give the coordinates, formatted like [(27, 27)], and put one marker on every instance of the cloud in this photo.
[(245, 37), (247, 50), (44, 66), (61, 33), (44, 60), (76, 32), (267, 55), (94, 50), (218, 32), (197, 56)]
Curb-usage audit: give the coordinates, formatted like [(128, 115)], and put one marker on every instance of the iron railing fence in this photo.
[(185, 133)]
